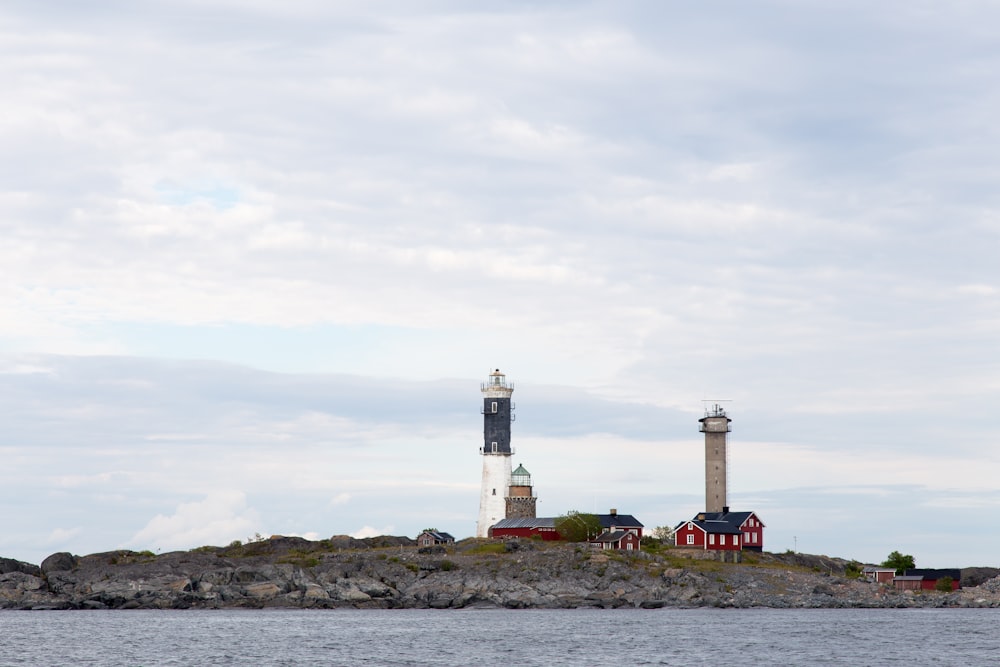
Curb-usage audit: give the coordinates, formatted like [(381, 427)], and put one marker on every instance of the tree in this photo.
[(662, 533), (899, 561), (944, 584), (578, 527)]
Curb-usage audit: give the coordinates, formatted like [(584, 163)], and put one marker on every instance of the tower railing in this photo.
[(486, 386)]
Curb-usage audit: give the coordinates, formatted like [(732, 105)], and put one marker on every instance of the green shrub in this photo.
[(944, 584)]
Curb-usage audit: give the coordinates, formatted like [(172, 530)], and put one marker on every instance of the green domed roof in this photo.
[(520, 477)]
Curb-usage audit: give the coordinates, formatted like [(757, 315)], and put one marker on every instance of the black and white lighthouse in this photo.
[(498, 413)]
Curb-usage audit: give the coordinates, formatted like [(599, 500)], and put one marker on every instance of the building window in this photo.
[(711, 539), (628, 546), (494, 492), (722, 540), (690, 538)]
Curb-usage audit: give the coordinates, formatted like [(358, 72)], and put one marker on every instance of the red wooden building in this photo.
[(880, 575), (623, 540), (927, 579), (723, 530), (714, 535), (545, 527), (539, 527)]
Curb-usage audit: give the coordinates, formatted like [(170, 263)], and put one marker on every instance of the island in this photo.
[(395, 573)]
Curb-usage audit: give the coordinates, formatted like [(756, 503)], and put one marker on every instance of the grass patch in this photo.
[(489, 548), (126, 557)]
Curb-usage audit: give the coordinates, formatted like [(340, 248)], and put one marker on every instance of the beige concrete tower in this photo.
[(715, 426)]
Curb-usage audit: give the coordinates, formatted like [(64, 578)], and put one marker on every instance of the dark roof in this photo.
[(610, 536), (606, 520), (735, 518), (716, 527), (540, 522), (438, 535), (934, 574), (618, 520)]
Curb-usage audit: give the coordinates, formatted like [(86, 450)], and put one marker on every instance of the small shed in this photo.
[(908, 582), (880, 575)]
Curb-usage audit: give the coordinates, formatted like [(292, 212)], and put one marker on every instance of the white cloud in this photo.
[(219, 518), (978, 290), (340, 499), (368, 531)]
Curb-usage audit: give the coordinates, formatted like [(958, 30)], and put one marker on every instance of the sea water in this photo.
[(502, 637)]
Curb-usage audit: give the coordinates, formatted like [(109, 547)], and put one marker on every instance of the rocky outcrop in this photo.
[(59, 562), (11, 565), (389, 573)]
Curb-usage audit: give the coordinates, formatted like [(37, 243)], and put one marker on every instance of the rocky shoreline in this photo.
[(392, 573)]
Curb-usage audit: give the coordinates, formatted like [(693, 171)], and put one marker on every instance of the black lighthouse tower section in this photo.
[(498, 413)]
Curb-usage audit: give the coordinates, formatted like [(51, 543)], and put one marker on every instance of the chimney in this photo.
[(725, 509), (614, 512)]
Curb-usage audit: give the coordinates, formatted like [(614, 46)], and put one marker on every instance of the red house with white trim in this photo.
[(714, 535), (722, 531), (617, 538)]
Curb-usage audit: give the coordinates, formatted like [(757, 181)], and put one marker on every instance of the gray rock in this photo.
[(11, 565), (59, 562)]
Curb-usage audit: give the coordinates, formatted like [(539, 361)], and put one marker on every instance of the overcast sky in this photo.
[(257, 257)]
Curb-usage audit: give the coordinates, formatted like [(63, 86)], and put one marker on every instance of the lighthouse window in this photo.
[(494, 492), (494, 406), (494, 448)]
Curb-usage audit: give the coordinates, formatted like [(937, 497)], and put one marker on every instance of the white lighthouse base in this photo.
[(496, 479)]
